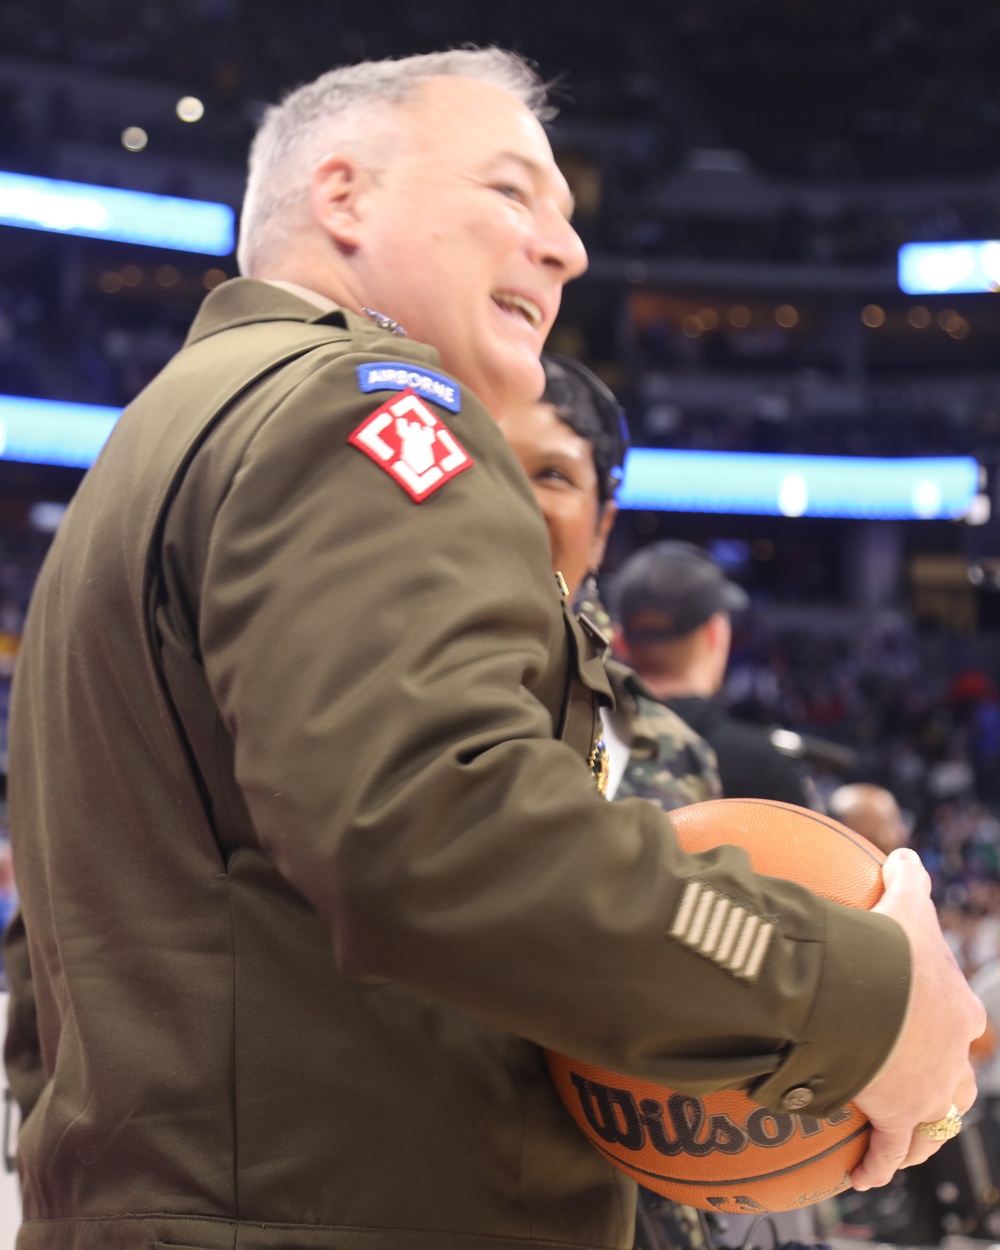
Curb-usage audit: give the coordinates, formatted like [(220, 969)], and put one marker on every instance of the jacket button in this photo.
[(797, 1098)]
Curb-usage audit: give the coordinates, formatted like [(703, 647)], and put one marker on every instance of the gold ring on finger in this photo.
[(944, 1129)]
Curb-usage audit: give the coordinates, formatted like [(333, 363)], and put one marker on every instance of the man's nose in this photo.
[(560, 247)]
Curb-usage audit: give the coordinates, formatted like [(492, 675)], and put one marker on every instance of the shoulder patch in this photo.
[(395, 375), (407, 440)]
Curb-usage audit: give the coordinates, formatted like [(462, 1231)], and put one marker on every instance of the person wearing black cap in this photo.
[(674, 607)]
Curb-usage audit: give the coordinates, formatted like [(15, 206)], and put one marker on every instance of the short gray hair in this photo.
[(322, 116)]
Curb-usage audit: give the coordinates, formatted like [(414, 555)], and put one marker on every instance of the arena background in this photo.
[(745, 173)]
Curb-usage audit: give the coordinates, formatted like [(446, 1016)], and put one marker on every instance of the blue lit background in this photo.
[(41, 431), (46, 432), (949, 268), (771, 485), (125, 216)]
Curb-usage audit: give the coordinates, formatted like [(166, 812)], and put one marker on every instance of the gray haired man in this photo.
[(310, 856)]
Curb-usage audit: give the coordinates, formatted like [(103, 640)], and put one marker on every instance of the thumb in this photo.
[(903, 873)]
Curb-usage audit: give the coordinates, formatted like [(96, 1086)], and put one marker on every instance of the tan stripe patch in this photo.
[(714, 929), (683, 918), (700, 918), (729, 936), (743, 945), (759, 950)]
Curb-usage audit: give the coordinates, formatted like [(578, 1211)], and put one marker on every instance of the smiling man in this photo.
[(309, 852)]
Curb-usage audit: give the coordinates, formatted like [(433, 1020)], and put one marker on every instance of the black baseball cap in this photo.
[(668, 589)]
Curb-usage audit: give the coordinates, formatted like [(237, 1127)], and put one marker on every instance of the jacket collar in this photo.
[(248, 301)]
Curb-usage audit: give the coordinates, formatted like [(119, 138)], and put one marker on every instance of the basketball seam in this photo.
[(828, 823)]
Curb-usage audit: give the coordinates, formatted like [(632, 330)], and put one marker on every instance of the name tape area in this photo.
[(406, 439), (394, 375)]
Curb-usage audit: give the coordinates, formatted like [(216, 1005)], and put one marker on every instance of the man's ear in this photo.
[(339, 185)]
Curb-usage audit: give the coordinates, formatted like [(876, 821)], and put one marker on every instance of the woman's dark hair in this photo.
[(589, 408)]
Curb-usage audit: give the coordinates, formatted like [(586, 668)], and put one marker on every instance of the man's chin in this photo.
[(520, 383)]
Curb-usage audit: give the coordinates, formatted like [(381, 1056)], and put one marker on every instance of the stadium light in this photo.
[(924, 488), (949, 268), (43, 431), (110, 213)]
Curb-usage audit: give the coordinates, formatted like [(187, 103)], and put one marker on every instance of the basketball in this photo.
[(723, 1152)]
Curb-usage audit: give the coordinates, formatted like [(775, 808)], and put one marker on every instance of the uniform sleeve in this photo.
[(390, 673)]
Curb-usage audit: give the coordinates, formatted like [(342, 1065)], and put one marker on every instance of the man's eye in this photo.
[(553, 475), (512, 192)]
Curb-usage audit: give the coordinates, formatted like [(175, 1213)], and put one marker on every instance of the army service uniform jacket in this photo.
[(310, 858)]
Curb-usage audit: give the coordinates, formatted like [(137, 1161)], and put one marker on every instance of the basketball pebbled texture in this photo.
[(724, 1152)]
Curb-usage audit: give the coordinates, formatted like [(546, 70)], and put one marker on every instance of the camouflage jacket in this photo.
[(670, 764)]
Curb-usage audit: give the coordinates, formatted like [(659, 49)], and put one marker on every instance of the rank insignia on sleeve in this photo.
[(405, 438)]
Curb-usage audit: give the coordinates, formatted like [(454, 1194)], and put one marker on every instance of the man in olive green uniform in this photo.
[(310, 858)]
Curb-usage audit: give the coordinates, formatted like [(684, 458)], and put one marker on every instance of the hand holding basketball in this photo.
[(929, 1067)]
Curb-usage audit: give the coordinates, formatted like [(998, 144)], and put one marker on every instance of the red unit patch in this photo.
[(405, 438)]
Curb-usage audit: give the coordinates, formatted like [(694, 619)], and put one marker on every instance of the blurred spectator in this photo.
[(873, 812), (673, 607)]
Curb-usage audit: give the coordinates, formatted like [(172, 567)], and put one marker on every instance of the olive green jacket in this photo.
[(310, 859)]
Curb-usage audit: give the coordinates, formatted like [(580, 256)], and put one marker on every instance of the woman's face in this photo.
[(560, 466)]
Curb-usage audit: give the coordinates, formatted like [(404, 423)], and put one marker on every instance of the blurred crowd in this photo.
[(922, 718), (917, 84)]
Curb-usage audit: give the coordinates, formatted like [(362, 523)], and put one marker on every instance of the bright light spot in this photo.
[(926, 499), (50, 211), (134, 138), (919, 317), (111, 282), (989, 258), (979, 510), (190, 109), (692, 327), (212, 278), (786, 316), (873, 316), (793, 495), (3, 437), (168, 275), (708, 317), (787, 741), (947, 268), (739, 316), (47, 517)]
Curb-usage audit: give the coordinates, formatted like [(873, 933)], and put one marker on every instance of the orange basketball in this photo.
[(724, 1152)]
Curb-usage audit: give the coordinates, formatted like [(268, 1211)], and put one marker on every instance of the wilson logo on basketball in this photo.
[(682, 1125)]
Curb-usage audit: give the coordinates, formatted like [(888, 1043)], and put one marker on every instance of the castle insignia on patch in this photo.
[(405, 438)]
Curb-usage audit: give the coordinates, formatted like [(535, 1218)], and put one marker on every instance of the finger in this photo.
[(887, 1148), (921, 1149), (965, 1094)]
